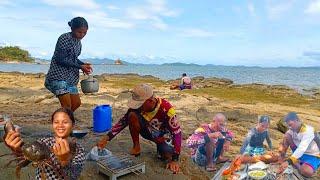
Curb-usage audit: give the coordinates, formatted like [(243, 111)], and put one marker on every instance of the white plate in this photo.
[(259, 165)]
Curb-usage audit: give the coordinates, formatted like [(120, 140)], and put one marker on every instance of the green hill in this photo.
[(15, 53)]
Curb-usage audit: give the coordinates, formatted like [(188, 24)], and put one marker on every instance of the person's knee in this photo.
[(306, 170)]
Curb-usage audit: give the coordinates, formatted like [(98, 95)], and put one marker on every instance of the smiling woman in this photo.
[(67, 157)]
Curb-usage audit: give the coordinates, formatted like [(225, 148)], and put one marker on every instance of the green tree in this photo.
[(14, 53)]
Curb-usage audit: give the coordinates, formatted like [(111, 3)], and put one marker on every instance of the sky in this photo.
[(264, 33)]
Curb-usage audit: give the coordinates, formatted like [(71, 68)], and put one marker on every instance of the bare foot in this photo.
[(211, 167), (135, 151)]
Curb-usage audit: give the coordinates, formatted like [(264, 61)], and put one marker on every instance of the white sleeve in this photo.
[(307, 138)]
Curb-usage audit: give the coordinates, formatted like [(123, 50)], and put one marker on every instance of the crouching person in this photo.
[(209, 142), (154, 119), (301, 139)]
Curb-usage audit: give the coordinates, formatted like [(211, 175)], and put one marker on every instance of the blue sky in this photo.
[(230, 32)]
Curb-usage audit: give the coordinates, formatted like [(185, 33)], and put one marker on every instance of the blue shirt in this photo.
[(255, 139)]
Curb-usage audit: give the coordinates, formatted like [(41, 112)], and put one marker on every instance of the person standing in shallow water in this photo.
[(63, 75)]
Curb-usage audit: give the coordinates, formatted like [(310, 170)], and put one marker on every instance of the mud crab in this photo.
[(35, 153)]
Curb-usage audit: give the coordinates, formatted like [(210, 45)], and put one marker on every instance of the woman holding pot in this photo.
[(63, 75)]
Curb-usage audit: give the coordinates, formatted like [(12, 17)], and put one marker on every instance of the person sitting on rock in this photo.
[(185, 82), (301, 139), (154, 119), (209, 142), (253, 143)]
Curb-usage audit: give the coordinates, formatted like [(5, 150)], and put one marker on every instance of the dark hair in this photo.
[(184, 74), (64, 110), (78, 22)]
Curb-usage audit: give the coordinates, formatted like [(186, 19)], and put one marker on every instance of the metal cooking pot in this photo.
[(89, 85)]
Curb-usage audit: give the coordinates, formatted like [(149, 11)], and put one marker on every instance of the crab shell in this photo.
[(35, 151)]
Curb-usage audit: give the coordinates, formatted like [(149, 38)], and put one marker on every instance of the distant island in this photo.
[(15, 54), (118, 62)]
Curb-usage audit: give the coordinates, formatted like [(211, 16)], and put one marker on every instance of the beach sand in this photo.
[(24, 97)]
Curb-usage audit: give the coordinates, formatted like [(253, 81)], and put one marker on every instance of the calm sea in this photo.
[(298, 78)]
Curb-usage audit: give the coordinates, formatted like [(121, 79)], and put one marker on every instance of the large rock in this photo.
[(281, 126)]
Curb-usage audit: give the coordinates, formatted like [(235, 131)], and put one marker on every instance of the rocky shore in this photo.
[(24, 98)]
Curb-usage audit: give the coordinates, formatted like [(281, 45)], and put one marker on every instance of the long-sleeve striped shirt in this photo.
[(198, 137), (65, 64)]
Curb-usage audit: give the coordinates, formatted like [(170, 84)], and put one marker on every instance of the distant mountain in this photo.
[(103, 61), (130, 60), (180, 64), (147, 60)]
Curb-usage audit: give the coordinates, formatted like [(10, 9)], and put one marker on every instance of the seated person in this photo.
[(185, 82), (154, 119), (209, 142), (253, 143), (63, 164), (301, 139)]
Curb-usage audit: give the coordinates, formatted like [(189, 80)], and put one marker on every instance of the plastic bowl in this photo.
[(257, 174), (79, 133)]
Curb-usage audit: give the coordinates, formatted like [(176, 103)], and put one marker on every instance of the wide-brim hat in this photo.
[(140, 94)]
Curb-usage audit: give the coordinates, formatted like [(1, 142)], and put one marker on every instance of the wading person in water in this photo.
[(63, 75)]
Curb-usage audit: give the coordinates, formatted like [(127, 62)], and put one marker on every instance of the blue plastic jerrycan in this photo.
[(102, 118)]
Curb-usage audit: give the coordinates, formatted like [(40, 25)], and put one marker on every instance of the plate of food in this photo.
[(257, 174)]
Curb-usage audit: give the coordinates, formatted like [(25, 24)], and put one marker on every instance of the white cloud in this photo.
[(197, 33), (101, 20), (251, 9), (112, 7), (152, 12), (160, 7), (312, 54), (4, 43), (276, 10), (313, 7), (85, 4), (159, 24), (6, 3)]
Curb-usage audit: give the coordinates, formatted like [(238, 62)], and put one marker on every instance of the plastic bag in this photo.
[(96, 154)]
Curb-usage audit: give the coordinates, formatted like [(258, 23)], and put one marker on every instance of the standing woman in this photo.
[(63, 75)]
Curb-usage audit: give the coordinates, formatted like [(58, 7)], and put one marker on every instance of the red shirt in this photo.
[(161, 122)]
